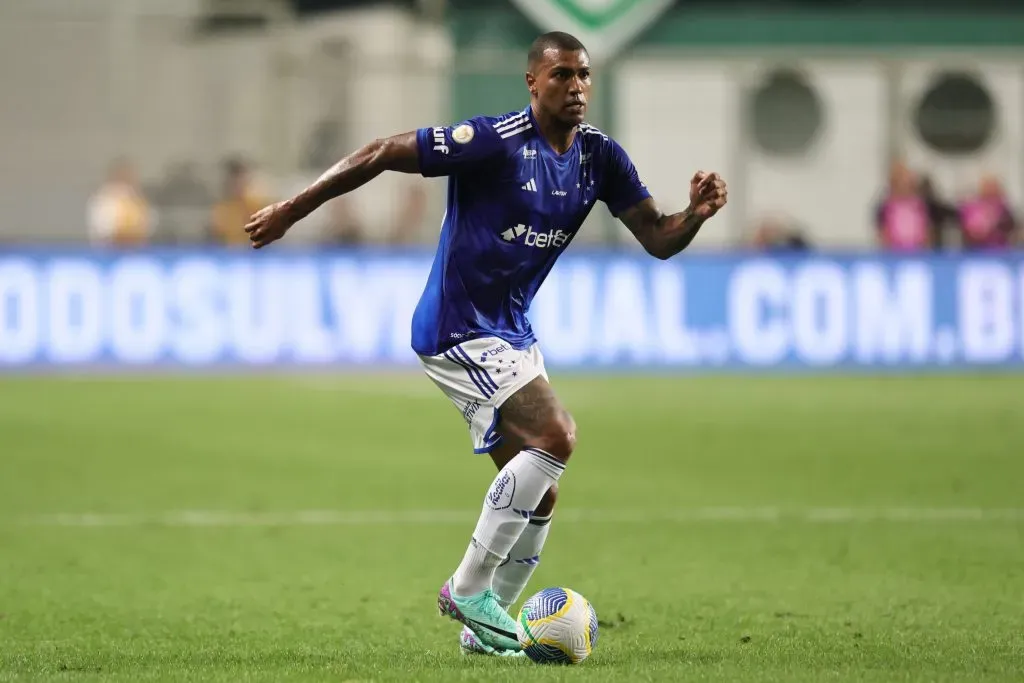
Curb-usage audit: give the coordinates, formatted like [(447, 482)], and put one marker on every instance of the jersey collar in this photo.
[(545, 145)]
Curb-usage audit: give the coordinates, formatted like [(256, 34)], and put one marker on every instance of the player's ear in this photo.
[(531, 83)]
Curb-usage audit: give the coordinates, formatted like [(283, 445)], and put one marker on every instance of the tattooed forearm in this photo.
[(396, 153)]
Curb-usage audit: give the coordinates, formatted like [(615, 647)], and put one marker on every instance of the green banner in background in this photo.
[(604, 26)]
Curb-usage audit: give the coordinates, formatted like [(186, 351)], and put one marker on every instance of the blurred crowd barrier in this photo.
[(218, 309), (850, 126)]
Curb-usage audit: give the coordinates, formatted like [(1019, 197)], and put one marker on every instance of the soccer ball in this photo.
[(557, 626)]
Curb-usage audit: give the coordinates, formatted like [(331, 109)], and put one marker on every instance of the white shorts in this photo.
[(478, 376)]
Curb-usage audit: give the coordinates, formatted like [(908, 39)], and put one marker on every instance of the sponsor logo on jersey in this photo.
[(513, 232), (529, 153), (534, 238), (530, 186), (558, 193), (439, 141)]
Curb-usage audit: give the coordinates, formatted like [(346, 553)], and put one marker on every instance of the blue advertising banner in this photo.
[(597, 310)]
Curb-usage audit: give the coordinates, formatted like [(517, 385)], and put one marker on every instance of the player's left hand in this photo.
[(269, 224), (708, 194)]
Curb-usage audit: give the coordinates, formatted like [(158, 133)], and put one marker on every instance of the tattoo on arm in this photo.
[(396, 153), (663, 236)]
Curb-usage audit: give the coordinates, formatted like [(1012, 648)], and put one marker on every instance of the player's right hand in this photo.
[(708, 194), (269, 224)]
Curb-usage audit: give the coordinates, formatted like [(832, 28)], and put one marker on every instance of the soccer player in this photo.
[(519, 187)]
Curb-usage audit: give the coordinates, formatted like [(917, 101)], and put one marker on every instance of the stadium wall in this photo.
[(216, 310), (88, 81)]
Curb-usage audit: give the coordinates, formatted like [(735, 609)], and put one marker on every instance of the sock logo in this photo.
[(499, 496)]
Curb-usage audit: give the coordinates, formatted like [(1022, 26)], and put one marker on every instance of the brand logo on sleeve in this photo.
[(440, 144)]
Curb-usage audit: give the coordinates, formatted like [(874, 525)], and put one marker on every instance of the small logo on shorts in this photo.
[(500, 495), (470, 410), (495, 350)]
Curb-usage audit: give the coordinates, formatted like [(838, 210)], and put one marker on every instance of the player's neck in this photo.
[(559, 135)]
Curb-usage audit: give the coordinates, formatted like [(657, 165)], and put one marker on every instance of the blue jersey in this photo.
[(514, 205)]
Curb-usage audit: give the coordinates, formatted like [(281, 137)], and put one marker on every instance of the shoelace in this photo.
[(494, 609)]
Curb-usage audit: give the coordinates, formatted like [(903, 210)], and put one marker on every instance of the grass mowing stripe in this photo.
[(813, 515)]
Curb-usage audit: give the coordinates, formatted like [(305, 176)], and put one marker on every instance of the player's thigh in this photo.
[(534, 416)]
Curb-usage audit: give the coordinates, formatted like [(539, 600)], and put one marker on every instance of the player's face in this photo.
[(561, 82)]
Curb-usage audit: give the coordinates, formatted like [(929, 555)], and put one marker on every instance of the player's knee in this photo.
[(559, 437)]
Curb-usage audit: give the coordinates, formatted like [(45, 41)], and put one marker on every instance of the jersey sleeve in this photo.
[(622, 187), (451, 150)]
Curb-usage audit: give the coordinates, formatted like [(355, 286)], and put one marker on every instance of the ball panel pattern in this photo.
[(557, 625)]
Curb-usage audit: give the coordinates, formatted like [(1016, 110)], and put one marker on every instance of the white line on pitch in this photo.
[(814, 515)]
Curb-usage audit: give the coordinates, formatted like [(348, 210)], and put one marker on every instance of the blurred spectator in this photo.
[(903, 219), (410, 217), (344, 226), (183, 201), (944, 216), (119, 214), (240, 200), (777, 233), (986, 220)]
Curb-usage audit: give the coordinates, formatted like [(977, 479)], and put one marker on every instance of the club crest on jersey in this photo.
[(439, 141), (463, 134)]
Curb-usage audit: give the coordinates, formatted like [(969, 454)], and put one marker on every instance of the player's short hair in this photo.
[(554, 40)]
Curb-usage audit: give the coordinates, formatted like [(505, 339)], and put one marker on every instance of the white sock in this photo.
[(510, 501), (511, 576)]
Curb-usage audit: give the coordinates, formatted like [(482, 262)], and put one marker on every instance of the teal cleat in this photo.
[(470, 644), (482, 614)]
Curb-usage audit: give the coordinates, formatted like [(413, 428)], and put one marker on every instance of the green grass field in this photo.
[(726, 529)]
